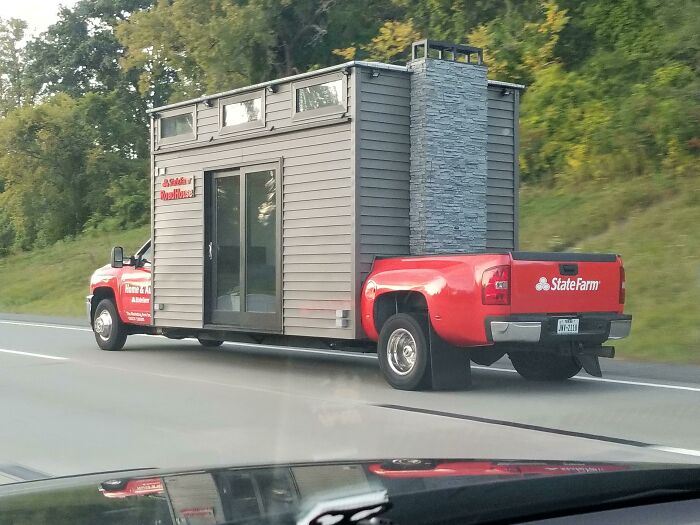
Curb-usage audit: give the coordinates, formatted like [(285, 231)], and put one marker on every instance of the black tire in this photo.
[(544, 366), (209, 343), (415, 376), (116, 334)]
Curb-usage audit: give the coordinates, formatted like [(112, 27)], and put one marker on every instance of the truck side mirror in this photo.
[(117, 257)]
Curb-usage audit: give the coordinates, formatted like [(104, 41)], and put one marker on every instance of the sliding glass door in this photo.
[(243, 249)]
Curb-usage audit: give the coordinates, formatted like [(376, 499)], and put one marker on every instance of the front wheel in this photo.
[(544, 366), (403, 353), (110, 332)]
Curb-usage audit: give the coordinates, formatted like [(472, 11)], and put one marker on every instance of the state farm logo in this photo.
[(543, 285), (579, 284)]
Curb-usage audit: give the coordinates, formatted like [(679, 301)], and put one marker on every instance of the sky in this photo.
[(39, 14)]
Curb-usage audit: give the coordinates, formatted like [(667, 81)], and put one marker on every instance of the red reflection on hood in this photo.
[(135, 487), (491, 468)]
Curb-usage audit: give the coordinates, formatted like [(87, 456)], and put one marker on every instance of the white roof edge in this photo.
[(330, 69), (381, 65), (505, 84)]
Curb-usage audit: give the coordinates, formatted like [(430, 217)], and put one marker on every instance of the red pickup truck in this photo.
[(430, 316)]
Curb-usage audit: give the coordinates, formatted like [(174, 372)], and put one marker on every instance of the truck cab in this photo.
[(120, 297)]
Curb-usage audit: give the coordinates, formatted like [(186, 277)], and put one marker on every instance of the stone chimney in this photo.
[(448, 149)]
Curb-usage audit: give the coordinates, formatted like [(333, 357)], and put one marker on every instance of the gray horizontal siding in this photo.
[(501, 159), (278, 113), (383, 126), (178, 247), (372, 116), (344, 210), (317, 218), (319, 146), (317, 228)]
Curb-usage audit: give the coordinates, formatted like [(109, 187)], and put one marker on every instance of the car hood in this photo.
[(402, 489), (103, 274)]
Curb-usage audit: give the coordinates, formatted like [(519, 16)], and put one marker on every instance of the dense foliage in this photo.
[(613, 87)]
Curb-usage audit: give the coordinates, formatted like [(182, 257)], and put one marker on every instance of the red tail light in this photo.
[(495, 285), (622, 285)]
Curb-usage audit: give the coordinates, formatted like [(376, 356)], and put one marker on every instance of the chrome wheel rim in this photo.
[(401, 351), (103, 325)]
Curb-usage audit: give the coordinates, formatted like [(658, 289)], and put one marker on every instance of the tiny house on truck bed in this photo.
[(270, 202)]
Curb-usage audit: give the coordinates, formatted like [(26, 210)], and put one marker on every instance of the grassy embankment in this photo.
[(55, 280), (653, 224)]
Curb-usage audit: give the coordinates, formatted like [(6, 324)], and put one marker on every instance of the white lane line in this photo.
[(604, 380), (638, 383), (46, 325), (266, 347), (372, 356), (674, 450), (30, 354)]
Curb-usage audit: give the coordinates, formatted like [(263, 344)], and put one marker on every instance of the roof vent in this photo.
[(447, 51)]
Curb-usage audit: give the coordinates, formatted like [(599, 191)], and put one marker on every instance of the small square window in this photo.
[(177, 125), (317, 96), (243, 112)]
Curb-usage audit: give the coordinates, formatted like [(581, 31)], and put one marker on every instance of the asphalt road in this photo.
[(70, 408)]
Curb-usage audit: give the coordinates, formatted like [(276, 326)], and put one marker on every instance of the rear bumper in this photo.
[(594, 329)]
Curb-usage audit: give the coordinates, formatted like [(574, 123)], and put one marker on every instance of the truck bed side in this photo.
[(450, 286)]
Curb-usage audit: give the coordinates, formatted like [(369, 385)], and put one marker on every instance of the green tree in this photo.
[(62, 164), (390, 45), (453, 20), (516, 48), (80, 53), (211, 45), (42, 168), (13, 89)]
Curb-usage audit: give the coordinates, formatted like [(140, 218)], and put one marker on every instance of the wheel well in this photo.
[(98, 295), (391, 303)]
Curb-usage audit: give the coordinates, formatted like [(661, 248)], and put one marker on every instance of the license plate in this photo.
[(567, 326)]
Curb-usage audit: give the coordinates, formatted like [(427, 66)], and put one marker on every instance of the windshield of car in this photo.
[(146, 254), (426, 242)]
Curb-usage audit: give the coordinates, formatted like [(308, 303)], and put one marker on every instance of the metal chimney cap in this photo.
[(447, 51)]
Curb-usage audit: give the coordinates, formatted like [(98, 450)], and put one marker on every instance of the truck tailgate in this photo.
[(565, 282)]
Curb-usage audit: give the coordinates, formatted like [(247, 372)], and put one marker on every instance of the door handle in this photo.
[(211, 251)]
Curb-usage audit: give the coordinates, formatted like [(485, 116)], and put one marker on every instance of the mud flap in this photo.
[(450, 366), (590, 364)]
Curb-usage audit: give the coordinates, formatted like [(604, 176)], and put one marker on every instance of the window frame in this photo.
[(176, 139), (266, 322), (336, 109), (245, 126)]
